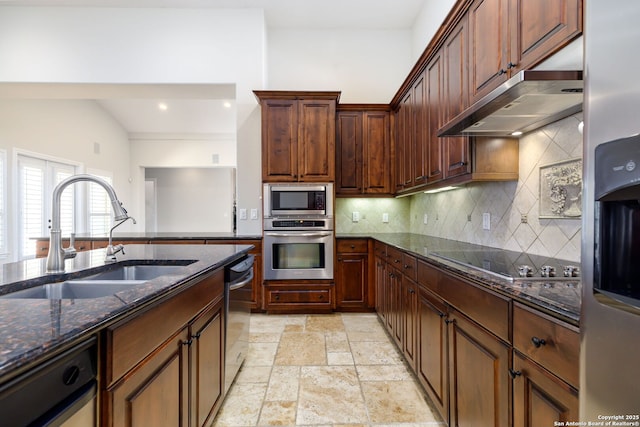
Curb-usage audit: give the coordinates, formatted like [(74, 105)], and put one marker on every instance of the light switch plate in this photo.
[(243, 213), (254, 213)]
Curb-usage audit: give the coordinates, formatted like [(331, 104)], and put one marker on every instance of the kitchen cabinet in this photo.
[(479, 382), (363, 150), (511, 35), (434, 118), (158, 363), (545, 373), (304, 296), (298, 136), (380, 259), (432, 366), (351, 275)]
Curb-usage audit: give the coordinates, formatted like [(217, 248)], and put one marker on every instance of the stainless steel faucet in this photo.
[(57, 254)]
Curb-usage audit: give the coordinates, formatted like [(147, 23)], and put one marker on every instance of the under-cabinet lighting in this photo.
[(440, 190)]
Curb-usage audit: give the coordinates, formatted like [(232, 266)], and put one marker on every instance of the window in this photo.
[(99, 207), (36, 180)]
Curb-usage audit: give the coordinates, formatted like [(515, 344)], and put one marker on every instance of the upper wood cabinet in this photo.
[(363, 150), (511, 35), (298, 135)]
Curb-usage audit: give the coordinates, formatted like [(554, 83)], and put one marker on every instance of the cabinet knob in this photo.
[(407, 266), (511, 65), (276, 297), (340, 259), (353, 246), (538, 341), (502, 71), (514, 374), (412, 291)]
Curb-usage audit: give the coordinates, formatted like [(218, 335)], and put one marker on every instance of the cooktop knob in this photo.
[(525, 271), (571, 271), (548, 271)]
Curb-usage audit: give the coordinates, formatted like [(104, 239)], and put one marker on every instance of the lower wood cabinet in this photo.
[(353, 291), (479, 382), (165, 365)]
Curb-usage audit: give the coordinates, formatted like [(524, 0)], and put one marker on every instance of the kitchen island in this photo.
[(31, 328)]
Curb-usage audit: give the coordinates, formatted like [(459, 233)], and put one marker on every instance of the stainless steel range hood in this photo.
[(527, 101)]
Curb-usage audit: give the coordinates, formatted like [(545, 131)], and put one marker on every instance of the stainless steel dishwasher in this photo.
[(238, 290), (59, 392)]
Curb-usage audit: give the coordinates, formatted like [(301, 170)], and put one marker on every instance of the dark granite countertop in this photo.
[(558, 297), (204, 235), (33, 328)]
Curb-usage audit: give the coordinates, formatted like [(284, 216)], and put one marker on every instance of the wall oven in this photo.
[(298, 249), (292, 200)]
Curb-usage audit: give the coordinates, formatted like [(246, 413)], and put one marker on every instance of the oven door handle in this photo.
[(298, 234)]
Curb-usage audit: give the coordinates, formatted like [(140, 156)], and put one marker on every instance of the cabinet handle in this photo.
[(449, 321), (407, 266), (514, 374), (340, 259), (320, 296), (411, 291), (195, 336), (502, 71), (353, 246), (188, 342), (441, 314), (511, 65), (276, 297), (395, 261), (538, 341), (460, 164)]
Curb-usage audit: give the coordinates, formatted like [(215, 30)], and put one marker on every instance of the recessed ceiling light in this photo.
[(516, 133), (227, 104), (162, 106)]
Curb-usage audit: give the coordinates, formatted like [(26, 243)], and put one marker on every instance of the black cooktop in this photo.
[(510, 264)]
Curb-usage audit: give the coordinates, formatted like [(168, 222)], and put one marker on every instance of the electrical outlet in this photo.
[(486, 221), (243, 213), (524, 219), (355, 216), (469, 218), (425, 219), (385, 217), (254, 213)]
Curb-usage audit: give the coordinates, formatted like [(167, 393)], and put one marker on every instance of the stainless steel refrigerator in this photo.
[(610, 320)]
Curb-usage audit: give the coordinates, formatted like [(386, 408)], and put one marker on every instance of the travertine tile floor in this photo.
[(323, 370)]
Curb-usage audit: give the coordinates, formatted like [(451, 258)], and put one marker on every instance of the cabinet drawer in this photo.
[(130, 341), (300, 299), (394, 257), (483, 306), (427, 276), (352, 245), (380, 250), (410, 267), (550, 342)]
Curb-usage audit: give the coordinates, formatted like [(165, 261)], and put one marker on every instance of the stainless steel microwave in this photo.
[(303, 199)]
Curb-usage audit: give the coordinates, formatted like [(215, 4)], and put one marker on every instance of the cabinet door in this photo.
[(316, 140), (351, 281), (432, 351), (279, 140), (381, 289), (409, 320), (540, 27), (434, 119), (419, 142), (394, 317), (156, 392), (376, 152), (349, 150), (207, 364), (489, 33), (405, 139), (539, 398), (479, 381)]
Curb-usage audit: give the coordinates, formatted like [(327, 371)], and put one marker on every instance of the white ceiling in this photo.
[(139, 113)]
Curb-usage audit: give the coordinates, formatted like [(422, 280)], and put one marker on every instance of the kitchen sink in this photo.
[(102, 284), (140, 272), (75, 289)]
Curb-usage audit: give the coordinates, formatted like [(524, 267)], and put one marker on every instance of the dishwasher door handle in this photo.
[(237, 285)]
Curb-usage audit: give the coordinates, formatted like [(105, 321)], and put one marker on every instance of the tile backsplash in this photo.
[(515, 223)]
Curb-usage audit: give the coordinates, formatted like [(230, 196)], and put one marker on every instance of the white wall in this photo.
[(427, 23), (129, 45), (66, 130), (367, 66), (190, 199)]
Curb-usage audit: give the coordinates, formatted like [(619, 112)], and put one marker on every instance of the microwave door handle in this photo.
[(298, 234)]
